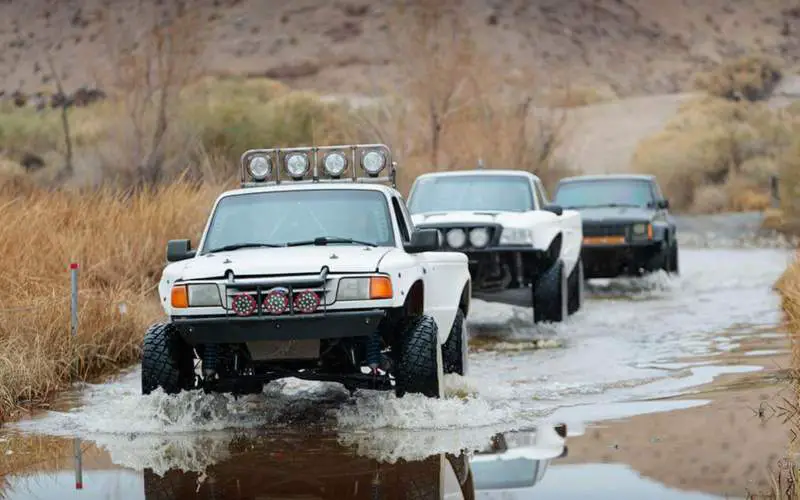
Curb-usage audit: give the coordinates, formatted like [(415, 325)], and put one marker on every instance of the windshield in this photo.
[(603, 193), (506, 193), (278, 218)]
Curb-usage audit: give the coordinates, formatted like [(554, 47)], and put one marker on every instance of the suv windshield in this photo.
[(278, 218), (604, 193), (506, 193)]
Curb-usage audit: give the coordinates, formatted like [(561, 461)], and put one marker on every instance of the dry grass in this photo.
[(750, 78), (717, 154), (118, 239), (571, 96)]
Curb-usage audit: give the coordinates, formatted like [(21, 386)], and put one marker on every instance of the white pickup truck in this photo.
[(521, 249), (312, 269)]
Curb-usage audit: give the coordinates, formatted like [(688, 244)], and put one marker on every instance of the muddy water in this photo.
[(635, 342)]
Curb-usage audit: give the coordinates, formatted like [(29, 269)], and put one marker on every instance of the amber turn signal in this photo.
[(180, 297), (380, 287)]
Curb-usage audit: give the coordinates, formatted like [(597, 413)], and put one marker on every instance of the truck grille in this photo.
[(604, 229), (268, 300)]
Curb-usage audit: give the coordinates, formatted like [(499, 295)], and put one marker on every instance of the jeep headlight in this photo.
[(204, 295), (479, 237), (366, 288), (456, 238), (642, 230), (516, 236)]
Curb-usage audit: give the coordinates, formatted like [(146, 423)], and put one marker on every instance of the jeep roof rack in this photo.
[(343, 163)]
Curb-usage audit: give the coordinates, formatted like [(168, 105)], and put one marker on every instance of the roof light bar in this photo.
[(342, 163)]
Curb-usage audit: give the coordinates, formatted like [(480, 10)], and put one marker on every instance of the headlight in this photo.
[(260, 167), (297, 165), (335, 164), (479, 237), (366, 288), (456, 238), (516, 236), (642, 230), (373, 162), (204, 295)]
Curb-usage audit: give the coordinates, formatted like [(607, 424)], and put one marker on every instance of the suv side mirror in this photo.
[(663, 204), (423, 240), (178, 250), (556, 209)]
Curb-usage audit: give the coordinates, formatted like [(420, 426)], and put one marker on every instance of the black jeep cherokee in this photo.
[(627, 228)]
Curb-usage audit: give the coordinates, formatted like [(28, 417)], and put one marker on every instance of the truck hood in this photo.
[(615, 214), (277, 261), (464, 217)]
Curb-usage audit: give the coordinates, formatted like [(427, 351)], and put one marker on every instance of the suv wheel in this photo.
[(419, 369), (575, 283), (167, 361)]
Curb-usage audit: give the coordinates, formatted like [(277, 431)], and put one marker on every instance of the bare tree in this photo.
[(148, 63)]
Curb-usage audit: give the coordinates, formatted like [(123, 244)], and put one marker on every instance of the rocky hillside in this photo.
[(627, 46)]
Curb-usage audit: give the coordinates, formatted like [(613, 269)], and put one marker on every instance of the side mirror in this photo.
[(423, 240), (178, 250), (556, 209), (663, 204)]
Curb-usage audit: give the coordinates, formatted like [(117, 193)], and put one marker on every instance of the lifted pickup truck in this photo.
[(627, 227), (521, 249), (311, 271)]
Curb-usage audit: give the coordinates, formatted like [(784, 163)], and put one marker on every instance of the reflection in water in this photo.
[(260, 464)]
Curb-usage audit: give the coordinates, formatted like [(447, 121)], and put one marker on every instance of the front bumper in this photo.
[(609, 260), (237, 330)]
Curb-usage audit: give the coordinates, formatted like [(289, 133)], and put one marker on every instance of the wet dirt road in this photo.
[(635, 340)]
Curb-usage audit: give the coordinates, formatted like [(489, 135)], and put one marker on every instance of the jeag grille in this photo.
[(604, 229), (278, 300)]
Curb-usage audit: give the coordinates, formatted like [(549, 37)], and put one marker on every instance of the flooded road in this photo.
[(635, 342)]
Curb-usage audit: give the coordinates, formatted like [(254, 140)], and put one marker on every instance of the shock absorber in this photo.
[(210, 355), (374, 351)]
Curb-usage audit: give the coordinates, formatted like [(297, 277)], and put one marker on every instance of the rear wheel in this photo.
[(419, 369), (550, 295), (454, 351), (167, 361)]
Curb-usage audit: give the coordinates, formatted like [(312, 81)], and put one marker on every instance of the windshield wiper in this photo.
[(324, 240), (237, 246)]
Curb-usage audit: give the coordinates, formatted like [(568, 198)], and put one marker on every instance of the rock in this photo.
[(31, 162)]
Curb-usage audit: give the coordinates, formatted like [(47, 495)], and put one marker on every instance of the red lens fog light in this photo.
[(306, 301), (244, 304), (276, 301)]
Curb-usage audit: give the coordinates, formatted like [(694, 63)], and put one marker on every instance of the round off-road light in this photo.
[(639, 229), (306, 301), (373, 162), (297, 165), (244, 304), (276, 301), (260, 167), (335, 163), (456, 238), (479, 237)]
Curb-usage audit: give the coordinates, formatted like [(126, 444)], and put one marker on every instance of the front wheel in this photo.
[(454, 351), (167, 361), (575, 284), (419, 369), (673, 257), (550, 295)]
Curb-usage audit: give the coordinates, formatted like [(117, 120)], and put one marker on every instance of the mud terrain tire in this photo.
[(167, 361), (575, 284), (673, 258), (454, 351), (419, 367), (550, 295)]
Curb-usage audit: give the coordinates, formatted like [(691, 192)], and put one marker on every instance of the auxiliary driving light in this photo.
[(260, 167), (373, 162), (479, 237), (297, 165), (456, 238), (306, 301), (244, 304), (335, 164), (276, 301)]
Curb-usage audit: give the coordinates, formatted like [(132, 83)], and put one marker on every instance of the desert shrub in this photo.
[(789, 185), (577, 96), (718, 143), (750, 78), (118, 238)]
